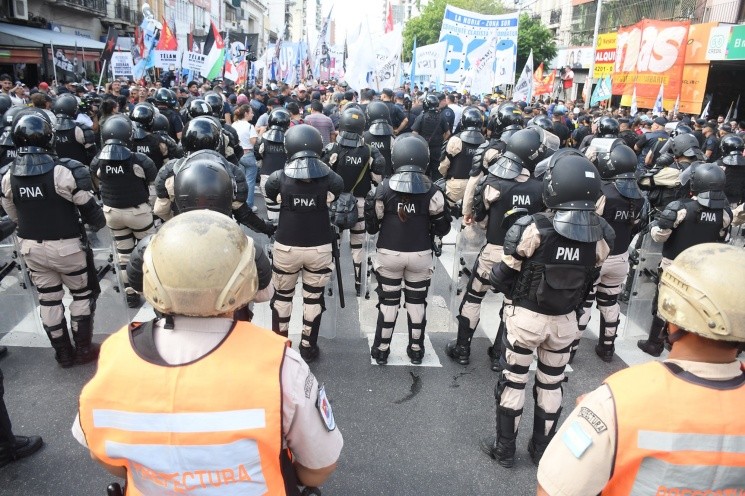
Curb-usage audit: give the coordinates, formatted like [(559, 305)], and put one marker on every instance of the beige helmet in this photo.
[(703, 298), (199, 264)]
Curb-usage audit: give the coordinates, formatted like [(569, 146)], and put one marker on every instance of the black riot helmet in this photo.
[(279, 117), (33, 135), (543, 121), (201, 133), (686, 145), (707, 184), (352, 124), (202, 183), (198, 108), (160, 123), (215, 102), (117, 130), (680, 129), (571, 186), (143, 113), (509, 116), (5, 103), (472, 118), (431, 102), (525, 148), (303, 144), (379, 117), (9, 116), (66, 105), (410, 157), (731, 144), (608, 127), (166, 97), (617, 162)]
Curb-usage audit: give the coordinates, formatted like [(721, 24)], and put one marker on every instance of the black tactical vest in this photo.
[(383, 144), (460, 165), (7, 155), (352, 166), (273, 158), (620, 212), (303, 213), (701, 225), (42, 213), (512, 194), (555, 279), (120, 187), (68, 147), (411, 235), (735, 186), (171, 115), (150, 146)]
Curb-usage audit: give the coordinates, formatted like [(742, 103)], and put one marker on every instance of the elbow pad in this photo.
[(669, 216), (92, 214), (7, 227), (263, 268), (503, 278), (372, 223)]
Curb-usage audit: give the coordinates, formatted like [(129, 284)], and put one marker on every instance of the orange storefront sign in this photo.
[(696, 69), (650, 53)]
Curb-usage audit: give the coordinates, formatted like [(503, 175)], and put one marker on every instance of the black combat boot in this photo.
[(63, 350), (380, 356), (3, 351), (655, 344), (357, 278), (459, 349), (21, 447), (133, 299), (416, 356), (308, 348), (573, 350), (540, 439), (495, 351), (503, 447), (605, 348), (85, 350)]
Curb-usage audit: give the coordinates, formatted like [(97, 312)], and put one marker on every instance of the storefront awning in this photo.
[(24, 36)]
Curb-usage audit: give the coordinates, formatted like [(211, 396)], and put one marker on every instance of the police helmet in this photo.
[(66, 105), (160, 123), (472, 118), (698, 297), (352, 124), (32, 111), (215, 102), (32, 134), (680, 129), (198, 107), (117, 130), (509, 116), (164, 96), (303, 144), (5, 103), (613, 157), (431, 102), (378, 111), (732, 144), (10, 115), (686, 145), (201, 133), (213, 285), (707, 184), (410, 149), (542, 121), (143, 113), (279, 117), (527, 147), (608, 127), (203, 183)]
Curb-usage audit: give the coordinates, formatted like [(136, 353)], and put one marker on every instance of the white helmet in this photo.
[(199, 264), (702, 297)]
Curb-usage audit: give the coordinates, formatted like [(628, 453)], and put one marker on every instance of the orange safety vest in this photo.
[(209, 427), (677, 434)]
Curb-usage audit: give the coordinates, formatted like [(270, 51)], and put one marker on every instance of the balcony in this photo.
[(97, 7), (555, 17), (124, 13)]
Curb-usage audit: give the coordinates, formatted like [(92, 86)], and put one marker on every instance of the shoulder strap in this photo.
[(364, 168), (142, 338)]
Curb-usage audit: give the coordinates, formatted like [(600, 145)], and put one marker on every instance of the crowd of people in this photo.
[(559, 190)]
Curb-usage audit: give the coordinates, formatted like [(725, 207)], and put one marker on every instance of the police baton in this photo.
[(337, 262)]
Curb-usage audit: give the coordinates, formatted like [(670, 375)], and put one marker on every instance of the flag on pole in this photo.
[(634, 108), (729, 112), (389, 19), (167, 39), (657, 109), (321, 57), (734, 113), (676, 108), (524, 87), (705, 113), (602, 91), (214, 51), (412, 76), (111, 38)]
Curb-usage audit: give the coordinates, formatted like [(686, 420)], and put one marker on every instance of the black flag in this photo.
[(111, 40)]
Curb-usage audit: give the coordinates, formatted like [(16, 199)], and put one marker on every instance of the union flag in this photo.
[(167, 39)]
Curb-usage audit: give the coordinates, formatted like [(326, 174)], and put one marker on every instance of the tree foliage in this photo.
[(531, 34)]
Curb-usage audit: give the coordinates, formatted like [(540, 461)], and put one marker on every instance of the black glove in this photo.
[(270, 229)]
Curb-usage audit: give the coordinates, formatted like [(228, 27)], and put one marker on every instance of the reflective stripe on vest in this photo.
[(676, 437), (210, 427)]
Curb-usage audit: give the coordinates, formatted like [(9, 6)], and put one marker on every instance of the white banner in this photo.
[(464, 32), (121, 64), (430, 61), (388, 60), (524, 87), (361, 60), (480, 75), (193, 61), (164, 59)]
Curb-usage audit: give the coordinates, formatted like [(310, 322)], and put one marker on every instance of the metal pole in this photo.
[(103, 71), (594, 48), (54, 65)]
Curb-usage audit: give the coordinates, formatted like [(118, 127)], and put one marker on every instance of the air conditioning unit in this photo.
[(19, 9)]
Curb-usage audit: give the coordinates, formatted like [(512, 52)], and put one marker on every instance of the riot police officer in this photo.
[(505, 122), (509, 185), (607, 127), (124, 178), (431, 126), (621, 205), (160, 129), (232, 149), (143, 140), (270, 152), (407, 209), (304, 235), (8, 151), (705, 217), (202, 136), (46, 196), (380, 132), (73, 140), (550, 261), (456, 160), (732, 147), (166, 102), (359, 165)]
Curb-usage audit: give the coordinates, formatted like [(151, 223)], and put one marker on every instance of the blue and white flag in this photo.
[(634, 108), (657, 109), (602, 91)]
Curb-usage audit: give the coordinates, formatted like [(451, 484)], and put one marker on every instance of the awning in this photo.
[(24, 36)]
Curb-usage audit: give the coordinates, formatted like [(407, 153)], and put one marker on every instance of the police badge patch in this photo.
[(324, 408)]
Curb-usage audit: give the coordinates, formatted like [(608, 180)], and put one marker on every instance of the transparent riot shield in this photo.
[(112, 312), (20, 312), (369, 297), (639, 312), (737, 236), (468, 244)]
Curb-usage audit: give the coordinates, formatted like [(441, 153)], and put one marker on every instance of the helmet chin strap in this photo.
[(675, 336)]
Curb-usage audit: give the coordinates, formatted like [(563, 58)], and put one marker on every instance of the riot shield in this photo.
[(639, 312), (468, 244), (20, 314), (737, 235)]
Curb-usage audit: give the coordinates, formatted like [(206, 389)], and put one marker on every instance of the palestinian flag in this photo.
[(214, 49)]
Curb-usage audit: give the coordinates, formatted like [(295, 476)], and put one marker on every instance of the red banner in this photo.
[(543, 85), (650, 53)]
